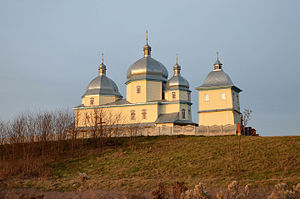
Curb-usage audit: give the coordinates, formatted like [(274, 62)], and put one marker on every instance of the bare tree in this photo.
[(246, 116)]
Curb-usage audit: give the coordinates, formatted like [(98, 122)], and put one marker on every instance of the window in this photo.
[(206, 98), (173, 95), (138, 89), (189, 112), (91, 101), (144, 114), (132, 115), (223, 96), (183, 113), (189, 97)]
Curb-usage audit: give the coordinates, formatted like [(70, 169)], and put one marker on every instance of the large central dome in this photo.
[(147, 68)]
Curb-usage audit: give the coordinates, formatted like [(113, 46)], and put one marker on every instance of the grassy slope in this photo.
[(212, 160)]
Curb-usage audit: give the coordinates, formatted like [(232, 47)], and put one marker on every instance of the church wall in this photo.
[(131, 91), (168, 108), (117, 115), (180, 95), (236, 101), (188, 115), (237, 117), (154, 90), (87, 99), (216, 118), (215, 100), (107, 99), (98, 100)]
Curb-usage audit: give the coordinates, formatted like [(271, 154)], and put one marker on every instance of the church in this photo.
[(154, 101)]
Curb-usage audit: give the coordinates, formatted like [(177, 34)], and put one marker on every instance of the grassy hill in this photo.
[(147, 161)]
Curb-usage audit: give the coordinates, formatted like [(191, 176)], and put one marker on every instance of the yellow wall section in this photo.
[(132, 95), (215, 100), (150, 91), (118, 115), (154, 90), (216, 118), (169, 108), (180, 95), (87, 99), (98, 100)]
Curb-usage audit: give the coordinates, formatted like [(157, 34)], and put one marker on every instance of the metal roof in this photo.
[(177, 81), (102, 85), (167, 118), (149, 68), (217, 78)]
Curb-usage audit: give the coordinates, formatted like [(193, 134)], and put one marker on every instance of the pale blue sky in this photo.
[(50, 51)]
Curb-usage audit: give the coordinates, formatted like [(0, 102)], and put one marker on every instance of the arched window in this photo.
[(91, 101), (183, 113), (173, 95), (138, 89), (132, 115), (206, 98), (144, 114), (223, 96)]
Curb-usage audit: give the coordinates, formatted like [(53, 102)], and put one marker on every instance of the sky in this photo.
[(50, 51)]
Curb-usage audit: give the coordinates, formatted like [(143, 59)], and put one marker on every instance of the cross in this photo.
[(217, 55), (147, 36), (176, 58), (100, 122), (102, 57)]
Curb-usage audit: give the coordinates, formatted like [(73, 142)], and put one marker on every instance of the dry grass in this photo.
[(265, 161)]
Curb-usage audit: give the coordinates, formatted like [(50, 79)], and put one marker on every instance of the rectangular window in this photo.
[(173, 95), (183, 113), (206, 98), (138, 89), (189, 97), (91, 101), (144, 114), (132, 115), (223, 96)]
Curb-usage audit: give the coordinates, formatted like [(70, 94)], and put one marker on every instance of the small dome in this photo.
[(147, 67), (217, 78), (102, 85), (177, 81)]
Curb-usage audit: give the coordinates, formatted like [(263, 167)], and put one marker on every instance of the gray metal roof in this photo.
[(102, 85), (171, 118), (217, 78), (177, 81), (147, 68), (167, 118), (119, 102)]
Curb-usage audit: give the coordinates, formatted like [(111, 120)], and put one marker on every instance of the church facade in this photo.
[(154, 101)]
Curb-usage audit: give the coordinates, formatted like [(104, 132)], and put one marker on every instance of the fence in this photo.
[(217, 130)]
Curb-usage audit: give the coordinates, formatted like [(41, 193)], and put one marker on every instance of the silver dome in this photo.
[(217, 78), (102, 85), (177, 81), (147, 68)]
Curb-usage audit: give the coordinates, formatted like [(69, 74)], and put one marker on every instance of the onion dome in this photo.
[(147, 67), (177, 81), (217, 78), (102, 85)]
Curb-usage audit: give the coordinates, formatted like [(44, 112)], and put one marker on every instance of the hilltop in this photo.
[(140, 164)]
